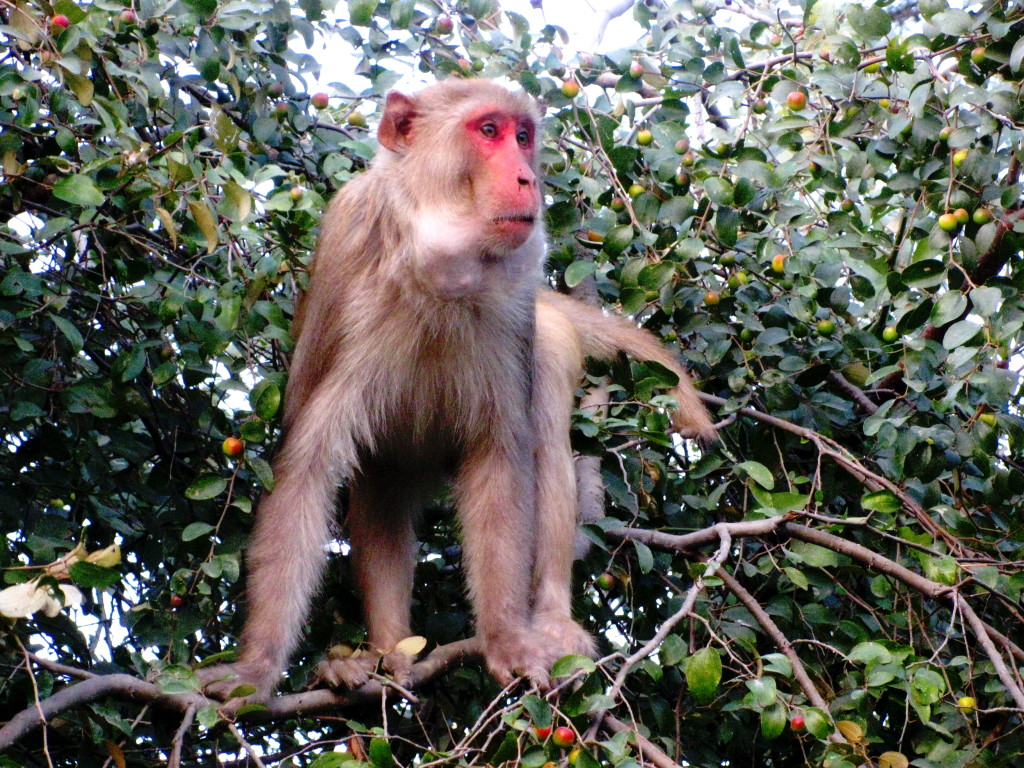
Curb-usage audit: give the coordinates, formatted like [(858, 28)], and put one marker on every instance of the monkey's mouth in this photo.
[(519, 218)]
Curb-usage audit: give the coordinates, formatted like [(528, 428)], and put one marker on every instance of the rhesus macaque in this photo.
[(424, 355)]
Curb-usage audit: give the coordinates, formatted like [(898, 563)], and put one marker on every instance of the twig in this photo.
[(648, 750), (246, 745), (777, 636), (994, 656), (174, 761)]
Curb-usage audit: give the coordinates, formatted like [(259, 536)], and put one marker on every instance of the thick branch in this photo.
[(124, 686)]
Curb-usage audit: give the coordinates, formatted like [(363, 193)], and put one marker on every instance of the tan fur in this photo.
[(424, 354)]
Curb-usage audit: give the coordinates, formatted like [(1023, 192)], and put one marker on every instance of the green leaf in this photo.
[(719, 190), (869, 23), (206, 486), (703, 674), (757, 472), (881, 501), (644, 556), (70, 332), (797, 577), (380, 753), (79, 190), (538, 709), (948, 308), (360, 12), (773, 720), (195, 530), (263, 471), (763, 691), (814, 555), (578, 271), (958, 334), (569, 665), (869, 653), (86, 574), (265, 399), (818, 723)]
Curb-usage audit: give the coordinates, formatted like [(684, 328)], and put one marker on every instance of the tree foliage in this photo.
[(766, 187)]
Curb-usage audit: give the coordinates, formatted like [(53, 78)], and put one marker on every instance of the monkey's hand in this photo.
[(565, 634), (354, 670), (240, 683)]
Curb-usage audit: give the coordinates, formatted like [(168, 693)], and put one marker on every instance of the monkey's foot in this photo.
[(521, 652), (353, 671), (250, 682), (566, 634)]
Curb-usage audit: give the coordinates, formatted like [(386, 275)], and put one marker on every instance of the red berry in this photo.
[(796, 100), (797, 723), (60, 20), (542, 733), (320, 100), (444, 24), (563, 736), (177, 601), (128, 16), (232, 446)]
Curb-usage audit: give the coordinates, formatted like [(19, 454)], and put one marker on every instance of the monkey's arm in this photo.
[(603, 336)]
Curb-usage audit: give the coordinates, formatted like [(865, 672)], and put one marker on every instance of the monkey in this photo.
[(427, 350)]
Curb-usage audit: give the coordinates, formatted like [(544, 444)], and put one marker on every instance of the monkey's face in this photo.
[(486, 227), (500, 147)]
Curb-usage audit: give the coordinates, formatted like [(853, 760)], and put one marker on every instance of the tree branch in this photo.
[(124, 686)]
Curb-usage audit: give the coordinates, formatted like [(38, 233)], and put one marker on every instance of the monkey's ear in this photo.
[(395, 130)]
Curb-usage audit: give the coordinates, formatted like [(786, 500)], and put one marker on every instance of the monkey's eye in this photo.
[(490, 130), (523, 137)]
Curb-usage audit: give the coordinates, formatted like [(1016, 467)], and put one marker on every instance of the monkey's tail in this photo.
[(603, 336)]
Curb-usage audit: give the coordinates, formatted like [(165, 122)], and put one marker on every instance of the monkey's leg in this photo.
[(381, 524), (286, 556), (496, 498), (556, 373)]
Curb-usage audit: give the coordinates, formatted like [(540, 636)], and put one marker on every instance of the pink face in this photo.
[(504, 144)]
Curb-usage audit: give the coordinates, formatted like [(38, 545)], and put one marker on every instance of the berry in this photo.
[(796, 100), (797, 723), (320, 100), (948, 222), (563, 736), (982, 216), (890, 334), (644, 138), (232, 446), (60, 20), (444, 24), (570, 89)]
